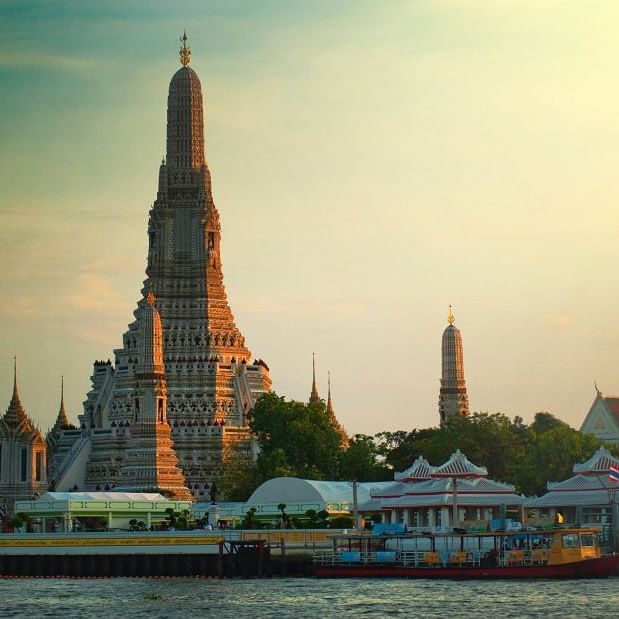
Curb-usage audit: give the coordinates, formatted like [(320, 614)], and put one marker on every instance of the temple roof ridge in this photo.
[(599, 463), (419, 470), (459, 465)]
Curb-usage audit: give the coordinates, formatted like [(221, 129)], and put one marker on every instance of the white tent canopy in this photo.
[(303, 494)]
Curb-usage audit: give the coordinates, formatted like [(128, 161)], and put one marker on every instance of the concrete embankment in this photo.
[(245, 565), (149, 555)]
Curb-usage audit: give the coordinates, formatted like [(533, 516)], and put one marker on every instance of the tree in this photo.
[(359, 461), (249, 521), (238, 476), (284, 516), (525, 456), (295, 439), (316, 520)]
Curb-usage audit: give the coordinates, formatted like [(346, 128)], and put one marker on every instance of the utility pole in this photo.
[(355, 504), (456, 520)]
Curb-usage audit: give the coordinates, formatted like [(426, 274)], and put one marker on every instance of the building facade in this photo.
[(211, 382), (453, 398), (456, 493), (23, 455), (602, 420), (589, 497)]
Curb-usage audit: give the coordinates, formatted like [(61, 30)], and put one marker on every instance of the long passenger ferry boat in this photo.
[(557, 553)]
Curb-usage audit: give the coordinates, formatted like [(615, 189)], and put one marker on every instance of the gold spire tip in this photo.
[(184, 52), (150, 298), (450, 317)]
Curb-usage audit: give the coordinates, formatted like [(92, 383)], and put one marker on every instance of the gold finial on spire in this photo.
[(184, 52), (451, 318), (150, 298)]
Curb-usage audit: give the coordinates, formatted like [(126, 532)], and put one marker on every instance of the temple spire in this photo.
[(15, 414), (337, 426), (453, 398), (185, 135), (62, 421), (314, 397), (329, 402), (15, 392)]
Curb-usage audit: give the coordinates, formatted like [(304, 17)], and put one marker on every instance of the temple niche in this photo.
[(211, 381)]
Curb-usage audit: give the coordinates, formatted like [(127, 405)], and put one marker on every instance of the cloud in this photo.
[(44, 60), (560, 321), (299, 306), (96, 293)]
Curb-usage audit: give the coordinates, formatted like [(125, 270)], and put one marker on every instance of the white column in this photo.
[(407, 518), (383, 517), (445, 520), (394, 516), (431, 517), (110, 521)]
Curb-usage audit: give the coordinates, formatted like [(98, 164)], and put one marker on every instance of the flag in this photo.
[(613, 473)]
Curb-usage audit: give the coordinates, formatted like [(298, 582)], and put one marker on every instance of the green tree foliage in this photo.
[(360, 460), (298, 440), (238, 476), (316, 520), (249, 520), (295, 439)]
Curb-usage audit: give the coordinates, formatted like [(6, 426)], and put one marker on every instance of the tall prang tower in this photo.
[(453, 399), (211, 381)]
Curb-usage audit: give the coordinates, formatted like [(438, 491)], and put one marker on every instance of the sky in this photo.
[(372, 163)]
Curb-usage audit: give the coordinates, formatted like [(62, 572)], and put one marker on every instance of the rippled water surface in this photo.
[(305, 597)]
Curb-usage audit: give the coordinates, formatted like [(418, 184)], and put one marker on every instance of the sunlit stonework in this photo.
[(202, 381)]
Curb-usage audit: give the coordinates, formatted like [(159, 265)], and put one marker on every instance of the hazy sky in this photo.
[(372, 163)]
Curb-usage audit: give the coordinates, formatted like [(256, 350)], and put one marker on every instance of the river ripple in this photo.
[(306, 597)]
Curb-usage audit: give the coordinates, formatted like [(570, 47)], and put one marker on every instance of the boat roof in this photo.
[(417, 534)]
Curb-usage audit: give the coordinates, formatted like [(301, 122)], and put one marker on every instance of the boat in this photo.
[(556, 553)]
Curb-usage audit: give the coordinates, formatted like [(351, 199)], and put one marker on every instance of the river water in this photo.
[(306, 597)]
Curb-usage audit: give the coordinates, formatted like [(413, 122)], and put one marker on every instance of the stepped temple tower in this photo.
[(23, 467), (180, 387), (453, 399)]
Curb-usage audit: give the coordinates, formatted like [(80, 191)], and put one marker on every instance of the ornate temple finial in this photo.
[(184, 52), (597, 390), (150, 298), (451, 318)]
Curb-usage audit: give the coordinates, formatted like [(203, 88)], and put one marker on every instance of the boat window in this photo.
[(570, 540), (587, 539)]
